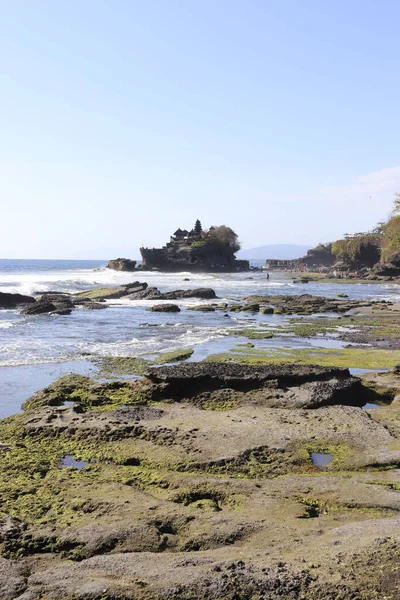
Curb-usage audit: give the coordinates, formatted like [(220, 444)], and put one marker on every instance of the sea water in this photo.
[(126, 328)]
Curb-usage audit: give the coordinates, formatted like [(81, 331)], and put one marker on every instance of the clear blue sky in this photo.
[(122, 120)]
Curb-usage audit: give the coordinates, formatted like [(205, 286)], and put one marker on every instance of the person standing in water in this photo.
[(267, 276)]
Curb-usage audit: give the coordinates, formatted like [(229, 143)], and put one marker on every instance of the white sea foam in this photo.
[(127, 329), (76, 280)]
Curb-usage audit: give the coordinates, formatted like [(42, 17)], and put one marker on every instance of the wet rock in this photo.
[(13, 300), (251, 307), (170, 308), (61, 311), (114, 293), (58, 299), (267, 310), (39, 308), (122, 264), (141, 291), (307, 304), (94, 306), (202, 293)]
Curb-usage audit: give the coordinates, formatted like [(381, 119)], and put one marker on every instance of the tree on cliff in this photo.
[(197, 227), (391, 239), (223, 237), (360, 251), (396, 207)]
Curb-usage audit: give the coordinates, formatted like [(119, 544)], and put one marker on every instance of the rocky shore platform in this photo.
[(204, 481), (64, 303)]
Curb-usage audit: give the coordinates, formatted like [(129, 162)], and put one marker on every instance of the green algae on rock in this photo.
[(252, 333), (179, 502), (173, 356), (364, 358), (123, 365)]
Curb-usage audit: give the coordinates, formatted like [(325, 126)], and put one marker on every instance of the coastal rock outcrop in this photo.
[(307, 304), (170, 308), (274, 385), (122, 264), (52, 302), (8, 300), (141, 291), (39, 308)]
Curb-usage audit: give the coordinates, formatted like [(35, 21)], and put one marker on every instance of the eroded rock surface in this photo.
[(198, 481), (308, 304)]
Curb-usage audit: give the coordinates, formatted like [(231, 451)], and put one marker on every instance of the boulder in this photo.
[(114, 293), (267, 310), (57, 298), (170, 308), (13, 300), (141, 291), (252, 307), (122, 264), (39, 308), (202, 293), (94, 306), (62, 311)]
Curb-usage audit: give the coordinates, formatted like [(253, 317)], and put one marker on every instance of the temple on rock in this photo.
[(197, 250)]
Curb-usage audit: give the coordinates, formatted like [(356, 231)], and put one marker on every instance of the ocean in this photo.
[(34, 350)]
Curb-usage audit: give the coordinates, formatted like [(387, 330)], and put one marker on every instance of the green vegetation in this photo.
[(123, 365), (253, 464), (391, 239), (360, 251), (174, 356), (311, 328), (223, 236), (197, 227), (345, 357), (389, 484), (252, 333), (96, 294), (134, 365), (88, 393)]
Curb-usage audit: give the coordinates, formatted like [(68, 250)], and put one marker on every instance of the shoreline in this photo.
[(322, 278)]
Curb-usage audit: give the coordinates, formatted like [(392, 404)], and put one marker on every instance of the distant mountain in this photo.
[(285, 251)]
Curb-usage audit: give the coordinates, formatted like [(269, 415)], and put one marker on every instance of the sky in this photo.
[(123, 120)]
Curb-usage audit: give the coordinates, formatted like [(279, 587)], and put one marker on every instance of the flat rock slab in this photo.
[(302, 386)]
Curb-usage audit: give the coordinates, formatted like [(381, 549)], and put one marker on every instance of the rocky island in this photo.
[(197, 250), (194, 250)]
